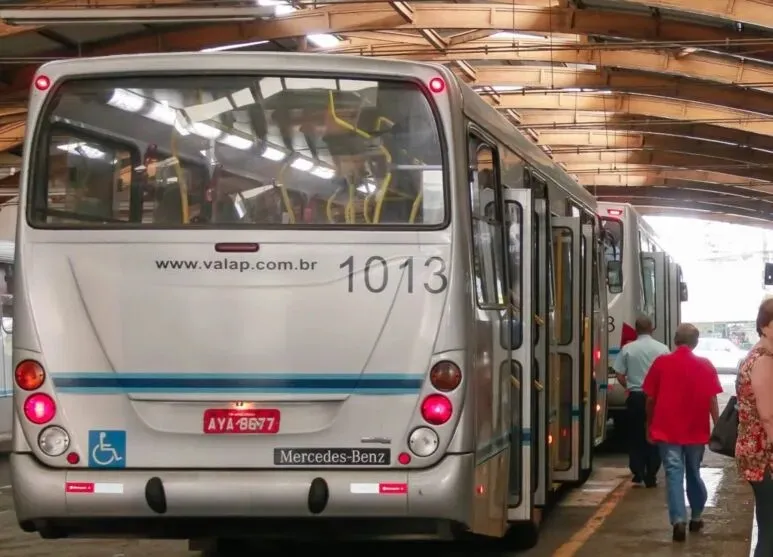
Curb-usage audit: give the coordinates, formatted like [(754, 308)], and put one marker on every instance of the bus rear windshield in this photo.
[(241, 151)]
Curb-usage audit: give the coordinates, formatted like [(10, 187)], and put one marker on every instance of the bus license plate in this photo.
[(252, 421)]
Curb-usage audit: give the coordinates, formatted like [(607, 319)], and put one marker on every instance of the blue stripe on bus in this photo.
[(613, 351), (116, 383), (603, 386), (4, 394)]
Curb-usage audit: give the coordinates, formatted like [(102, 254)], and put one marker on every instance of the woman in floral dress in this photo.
[(754, 446)]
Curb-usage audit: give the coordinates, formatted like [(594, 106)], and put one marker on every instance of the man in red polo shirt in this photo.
[(682, 391)]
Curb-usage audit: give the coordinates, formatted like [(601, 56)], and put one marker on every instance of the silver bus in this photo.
[(253, 289), (643, 279)]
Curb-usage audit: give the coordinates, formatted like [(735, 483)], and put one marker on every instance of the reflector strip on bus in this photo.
[(378, 488), (96, 488), (294, 383)]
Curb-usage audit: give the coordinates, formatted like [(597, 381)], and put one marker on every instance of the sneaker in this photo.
[(651, 482), (680, 532), (636, 480), (696, 525)]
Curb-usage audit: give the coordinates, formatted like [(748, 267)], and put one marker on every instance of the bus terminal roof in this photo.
[(666, 104)]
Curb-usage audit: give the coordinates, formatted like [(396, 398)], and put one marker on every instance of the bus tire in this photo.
[(522, 535), (226, 548)]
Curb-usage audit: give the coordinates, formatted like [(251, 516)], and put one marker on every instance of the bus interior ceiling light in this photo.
[(131, 100), (79, 16)]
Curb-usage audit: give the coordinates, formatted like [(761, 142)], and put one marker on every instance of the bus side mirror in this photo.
[(683, 297), (768, 274), (615, 276)]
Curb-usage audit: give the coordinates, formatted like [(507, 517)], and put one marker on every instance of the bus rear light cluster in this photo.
[(445, 376), (436, 409), (40, 409)]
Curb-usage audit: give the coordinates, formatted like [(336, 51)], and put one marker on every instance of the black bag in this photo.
[(725, 431)]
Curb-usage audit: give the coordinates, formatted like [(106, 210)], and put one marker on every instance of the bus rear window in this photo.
[(241, 151)]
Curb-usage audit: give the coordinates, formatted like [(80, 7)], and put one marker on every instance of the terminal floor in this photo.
[(605, 517)]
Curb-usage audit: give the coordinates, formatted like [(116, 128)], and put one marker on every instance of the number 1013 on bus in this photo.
[(375, 274)]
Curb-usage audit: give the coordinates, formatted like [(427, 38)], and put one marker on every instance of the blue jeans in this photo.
[(680, 461)]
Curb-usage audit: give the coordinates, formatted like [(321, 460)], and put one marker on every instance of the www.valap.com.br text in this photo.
[(238, 265)]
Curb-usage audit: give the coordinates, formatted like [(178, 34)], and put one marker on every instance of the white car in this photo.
[(721, 352)]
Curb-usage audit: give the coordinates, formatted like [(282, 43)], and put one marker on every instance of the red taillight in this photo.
[(404, 459), (42, 83), (445, 376), (596, 356), (437, 85), (73, 458), (29, 375), (436, 409), (39, 408)]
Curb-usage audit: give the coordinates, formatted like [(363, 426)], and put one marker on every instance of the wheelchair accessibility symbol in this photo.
[(107, 449)]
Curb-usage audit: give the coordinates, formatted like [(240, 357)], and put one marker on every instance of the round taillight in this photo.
[(437, 85), (73, 458), (445, 376), (404, 459), (436, 409), (54, 441), (29, 375), (42, 83), (39, 408), (423, 441)]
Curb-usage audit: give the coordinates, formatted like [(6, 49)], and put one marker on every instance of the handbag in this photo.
[(725, 432)]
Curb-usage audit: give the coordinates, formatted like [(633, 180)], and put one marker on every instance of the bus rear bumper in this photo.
[(192, 503)]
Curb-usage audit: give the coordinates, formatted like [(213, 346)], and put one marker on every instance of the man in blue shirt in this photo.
[(631, 366)]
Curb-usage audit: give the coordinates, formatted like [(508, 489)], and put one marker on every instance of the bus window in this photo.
[(514, 220), (513, 169), (487, 223), (563, 240), (265, 152), (88, 178), (612, 236), (649, 282)]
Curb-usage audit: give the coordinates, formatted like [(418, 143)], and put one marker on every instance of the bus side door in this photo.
[(543, 339), (520, 258), (567, 368), (588, 381), (600, 342)]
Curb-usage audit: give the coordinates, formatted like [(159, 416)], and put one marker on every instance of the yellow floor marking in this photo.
[(575, 543)]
